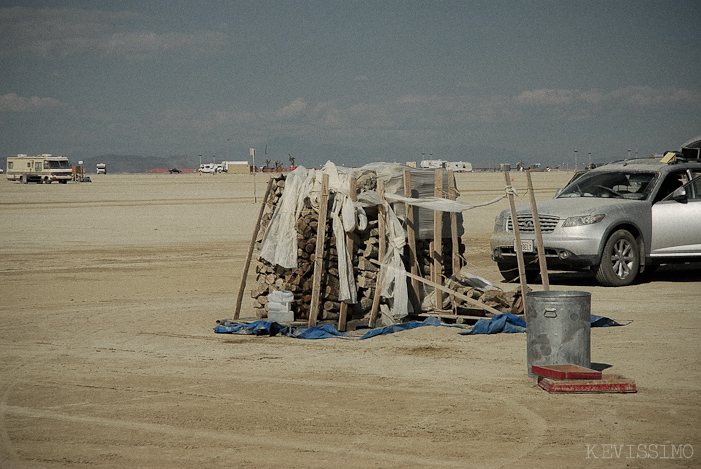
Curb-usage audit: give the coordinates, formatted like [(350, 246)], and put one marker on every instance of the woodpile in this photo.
[(299, 281), (365, 254)]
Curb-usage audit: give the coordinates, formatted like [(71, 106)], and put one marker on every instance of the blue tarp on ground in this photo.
[(505, 322), (501, 323), (320, 331), (509, 323)]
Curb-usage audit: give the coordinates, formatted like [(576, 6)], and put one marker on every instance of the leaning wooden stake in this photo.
[(465, 298), (437, 251), (414, 293), (343, 315), (538, 236), (382, 235), (452, 195), (251, 246), (517, 236), (319, 253)]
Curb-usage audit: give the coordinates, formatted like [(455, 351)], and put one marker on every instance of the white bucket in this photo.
[(281, 316), (281, 296)]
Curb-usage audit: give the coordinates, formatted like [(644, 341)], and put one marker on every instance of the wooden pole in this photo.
[(452, 195), (538, 236), (517, 236), (465, 298), (251, 246), (343, 315), (414, 294), (381, 228), (319, 253), (437, 251)]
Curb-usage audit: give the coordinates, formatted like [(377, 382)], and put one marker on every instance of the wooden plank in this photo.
[(538, 236), (466, 299), (414, 293), (251, 246), (374, 311), (437, 251), (452, 195), (319, 253), (449, 316), (343, 315), (517, 236)]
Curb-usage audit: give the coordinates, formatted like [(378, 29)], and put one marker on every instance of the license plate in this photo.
[(526, 245)]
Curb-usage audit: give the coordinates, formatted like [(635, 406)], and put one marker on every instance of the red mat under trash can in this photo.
[(607, 383)]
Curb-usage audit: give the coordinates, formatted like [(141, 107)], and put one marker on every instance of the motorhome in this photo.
[(433, 164), (459, 166), (44, 168), (101, 168)]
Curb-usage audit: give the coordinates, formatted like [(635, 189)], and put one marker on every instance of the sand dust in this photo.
[(109, 292)]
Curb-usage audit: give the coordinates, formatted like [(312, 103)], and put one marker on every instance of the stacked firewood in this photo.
[(299, 280)]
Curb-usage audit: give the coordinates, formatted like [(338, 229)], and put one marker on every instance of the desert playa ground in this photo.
[(109, 292)]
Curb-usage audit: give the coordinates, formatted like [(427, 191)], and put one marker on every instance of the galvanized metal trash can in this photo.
[(558, 328)]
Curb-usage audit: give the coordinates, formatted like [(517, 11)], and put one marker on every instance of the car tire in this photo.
[(511, 275), (620, 260), (508, 271)]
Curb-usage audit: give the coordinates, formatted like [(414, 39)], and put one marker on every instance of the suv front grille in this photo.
[(525, 223)]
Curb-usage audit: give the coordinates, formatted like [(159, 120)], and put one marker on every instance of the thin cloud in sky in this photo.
[(163, 78), (13, 103), (63, 32)]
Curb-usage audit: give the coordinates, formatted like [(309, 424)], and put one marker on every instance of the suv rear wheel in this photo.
[(620, 260)]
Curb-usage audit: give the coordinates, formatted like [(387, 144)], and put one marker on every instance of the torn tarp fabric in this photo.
[(320, 331), (326, 332), (505, 322), (509, 323), (601, 321), (254, 328)]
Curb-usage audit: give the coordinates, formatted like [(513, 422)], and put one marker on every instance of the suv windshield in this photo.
[(622, 185)]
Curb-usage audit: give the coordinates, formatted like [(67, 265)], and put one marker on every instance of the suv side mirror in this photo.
[(679, 194)]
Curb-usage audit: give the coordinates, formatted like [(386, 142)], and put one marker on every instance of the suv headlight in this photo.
[(583, 220)]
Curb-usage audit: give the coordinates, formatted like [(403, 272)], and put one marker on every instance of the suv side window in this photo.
[(671, 182)]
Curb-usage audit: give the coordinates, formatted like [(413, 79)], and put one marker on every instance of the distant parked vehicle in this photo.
[(174, 171), (44, 168), (211, 168)]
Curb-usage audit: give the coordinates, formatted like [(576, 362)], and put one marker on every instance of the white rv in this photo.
[(433, 164), (44, 168), (459, 166), (101, 168)]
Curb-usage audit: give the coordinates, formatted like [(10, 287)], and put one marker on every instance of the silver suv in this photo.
[(615, 220)]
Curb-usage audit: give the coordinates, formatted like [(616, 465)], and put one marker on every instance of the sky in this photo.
[(352, 82)]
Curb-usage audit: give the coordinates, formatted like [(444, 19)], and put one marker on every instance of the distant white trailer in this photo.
[(433, 164), (101, 168), (458, 166), (237, 167)]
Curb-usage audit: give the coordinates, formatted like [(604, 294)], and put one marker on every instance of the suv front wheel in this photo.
[(620, 260)]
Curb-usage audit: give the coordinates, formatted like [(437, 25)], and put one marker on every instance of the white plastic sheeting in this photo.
[(279, 245)]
